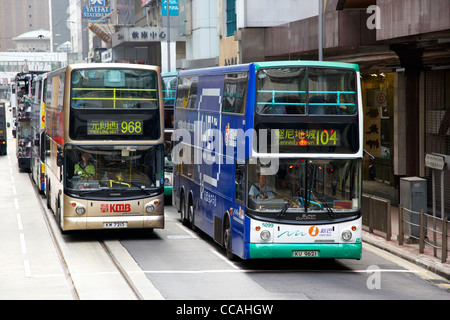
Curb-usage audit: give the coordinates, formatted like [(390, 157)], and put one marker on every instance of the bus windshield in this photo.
[(113, 168), (114, 89), (305, 186), (302, 91)]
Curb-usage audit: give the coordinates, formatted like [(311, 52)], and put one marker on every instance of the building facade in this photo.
[(19, 17), (402, 48)]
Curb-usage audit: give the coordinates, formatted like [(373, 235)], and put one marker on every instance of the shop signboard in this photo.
[(96, 10)]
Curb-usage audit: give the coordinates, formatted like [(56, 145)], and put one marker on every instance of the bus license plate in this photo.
[(114, 225), (309, 254)]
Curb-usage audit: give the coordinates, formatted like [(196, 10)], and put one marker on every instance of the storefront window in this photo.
[(378, 104)]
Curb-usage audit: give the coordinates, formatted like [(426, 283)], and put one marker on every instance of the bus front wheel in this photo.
[(227, 239)]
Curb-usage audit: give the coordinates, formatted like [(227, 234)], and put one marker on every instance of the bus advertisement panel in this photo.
[(267, 159), (104, 146)]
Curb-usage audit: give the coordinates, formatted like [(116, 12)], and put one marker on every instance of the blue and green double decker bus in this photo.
[(268, 158)]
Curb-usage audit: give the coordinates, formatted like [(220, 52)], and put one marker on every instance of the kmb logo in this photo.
[(115, 208)]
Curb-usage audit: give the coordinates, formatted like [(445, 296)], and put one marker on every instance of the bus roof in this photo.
[(270, 64), (215, 70), (305, 63)]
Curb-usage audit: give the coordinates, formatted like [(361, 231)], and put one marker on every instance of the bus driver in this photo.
[(261, 190), (84, 168)]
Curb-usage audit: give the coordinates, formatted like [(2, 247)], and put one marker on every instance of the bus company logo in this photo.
[(105, 208), (313, 231), (326, 232)]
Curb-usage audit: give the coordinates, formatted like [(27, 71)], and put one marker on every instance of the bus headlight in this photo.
[(80, 210), (265, 235), (168, 178), (346, 235), (150, 208)]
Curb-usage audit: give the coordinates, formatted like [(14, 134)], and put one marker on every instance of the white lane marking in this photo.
[(189, 232), (273, 271), (23, 244), (19, 222), (223, 258), (399, 261), (27, 266)]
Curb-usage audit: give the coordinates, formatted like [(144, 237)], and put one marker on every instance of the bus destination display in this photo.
[(114, 127), (309, 137)]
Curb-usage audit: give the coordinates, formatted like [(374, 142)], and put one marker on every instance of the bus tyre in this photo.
[(183, 210), (47, 186), (227, 239), (190, 217), (58, 214)]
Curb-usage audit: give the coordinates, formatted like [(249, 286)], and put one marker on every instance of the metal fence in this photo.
[(377, 214), (427, 223)]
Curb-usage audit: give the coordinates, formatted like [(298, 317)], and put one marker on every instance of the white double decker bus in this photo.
[(105, 146)]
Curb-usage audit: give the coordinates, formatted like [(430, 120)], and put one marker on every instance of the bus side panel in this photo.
[(246, 237), (208, 136), (237, 217)]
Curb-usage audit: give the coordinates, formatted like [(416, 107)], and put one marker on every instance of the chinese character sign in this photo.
[(376, 99), (97, 3)]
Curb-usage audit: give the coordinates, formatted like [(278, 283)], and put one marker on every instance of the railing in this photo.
[(318, 99), (439, 227), (377, 214)]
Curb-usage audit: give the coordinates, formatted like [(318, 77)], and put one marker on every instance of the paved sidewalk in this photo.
[(408, 251), (30, 267)]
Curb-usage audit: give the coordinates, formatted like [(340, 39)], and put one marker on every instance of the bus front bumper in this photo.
[(124, 222), (330, 251)]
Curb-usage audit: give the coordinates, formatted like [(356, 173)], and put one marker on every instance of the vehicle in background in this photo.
[(3, 130), (169, 82), (37, 165)]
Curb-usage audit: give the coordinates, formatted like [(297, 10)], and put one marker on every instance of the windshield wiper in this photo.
[(85, 192), (288, 203), (141, 187), (324, 203)]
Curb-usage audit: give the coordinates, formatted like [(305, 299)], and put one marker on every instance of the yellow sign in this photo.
[(114, 127)]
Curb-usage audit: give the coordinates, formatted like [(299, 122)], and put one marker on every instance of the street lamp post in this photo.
[(168, 35)]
